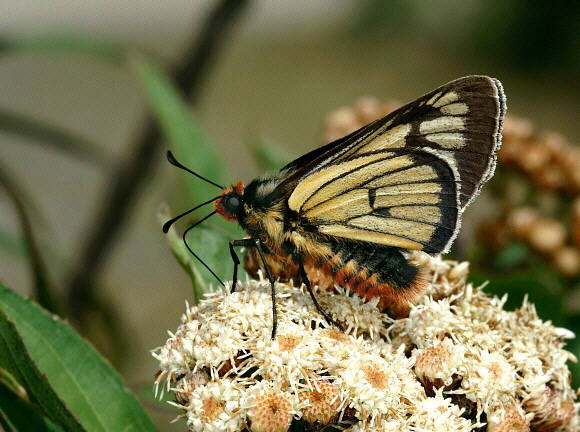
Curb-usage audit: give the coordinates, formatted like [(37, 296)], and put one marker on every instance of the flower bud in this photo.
[(547, 235), (567, 261), (272, 412), (324, 402), (521, 220), (437, 366), (507, 418), (551, 410)]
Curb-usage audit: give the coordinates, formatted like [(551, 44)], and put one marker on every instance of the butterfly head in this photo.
[(230, 204)]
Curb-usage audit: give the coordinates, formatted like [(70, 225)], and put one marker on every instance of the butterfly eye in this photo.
[(231, 204)]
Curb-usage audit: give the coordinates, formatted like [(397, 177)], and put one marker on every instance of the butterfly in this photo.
[(355, 207)]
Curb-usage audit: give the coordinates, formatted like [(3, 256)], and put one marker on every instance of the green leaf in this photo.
[(183, 256), (190, 144), (69, 44), (270, 155), (26, 378), (74, 372), (212, 245), (16, 415)]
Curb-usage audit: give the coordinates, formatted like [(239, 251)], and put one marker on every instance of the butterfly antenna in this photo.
[(174, 162), (171, 221), (193, 253)]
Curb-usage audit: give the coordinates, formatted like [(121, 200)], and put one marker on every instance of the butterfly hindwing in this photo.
[(405, 179)]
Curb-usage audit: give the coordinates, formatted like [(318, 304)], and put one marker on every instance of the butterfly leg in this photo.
[(254, 242), (306, 282)]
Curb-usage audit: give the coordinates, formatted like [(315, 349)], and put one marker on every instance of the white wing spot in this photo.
[(446, 99), (433, 98), (442, 124), (451, 141), (457, 108)]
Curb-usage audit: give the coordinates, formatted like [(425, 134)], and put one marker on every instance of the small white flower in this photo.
[(215, 407), (438, 414)]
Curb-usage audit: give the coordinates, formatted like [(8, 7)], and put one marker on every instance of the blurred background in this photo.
[(92, 94)]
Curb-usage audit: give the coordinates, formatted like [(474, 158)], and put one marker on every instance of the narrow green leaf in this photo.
[(183, 256), (70, 44), (190, 144), (27, 379), (87, 384), (211, 244), (213, 247), (270, 155), (16, 415)]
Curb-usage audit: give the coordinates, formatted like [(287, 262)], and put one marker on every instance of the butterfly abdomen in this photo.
[(376, 271)]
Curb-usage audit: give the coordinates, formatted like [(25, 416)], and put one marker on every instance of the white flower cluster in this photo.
[(457, 362), (468, 345)]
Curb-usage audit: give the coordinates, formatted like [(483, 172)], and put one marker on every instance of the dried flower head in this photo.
[(439, 366), (188, 383), (549, 164), (508, 418), (215, 406), (271, 410), (457, 362), (552, 410), (323, 404)]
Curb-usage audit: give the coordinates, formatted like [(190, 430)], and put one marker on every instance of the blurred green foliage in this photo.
[(529, 36)]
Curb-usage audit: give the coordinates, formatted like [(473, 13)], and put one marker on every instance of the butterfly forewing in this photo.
[(350, 209), (405, 179)]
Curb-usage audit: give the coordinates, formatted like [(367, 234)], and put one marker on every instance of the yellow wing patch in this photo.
[(416, 174), (414, 188), (369, 236), (342, 207), (457, 108), (442, 124), (438, 101), (334, 180), (448, 141), (407, 199), (391, 200), (430, 214), (379, 140), (409, 229)]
